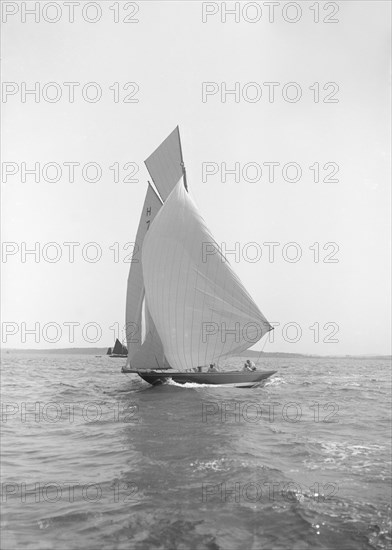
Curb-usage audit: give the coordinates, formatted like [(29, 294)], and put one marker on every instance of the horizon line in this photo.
[(304, 354)]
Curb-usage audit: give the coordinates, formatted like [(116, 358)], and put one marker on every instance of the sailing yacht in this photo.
[(119, 350), (186, 309)]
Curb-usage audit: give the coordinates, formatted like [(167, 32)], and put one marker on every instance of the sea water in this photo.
[(96, 459)]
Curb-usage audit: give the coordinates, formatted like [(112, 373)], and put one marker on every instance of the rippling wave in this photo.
[(96, 459)]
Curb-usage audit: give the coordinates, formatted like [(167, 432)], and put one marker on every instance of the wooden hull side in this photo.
[(231, 378)]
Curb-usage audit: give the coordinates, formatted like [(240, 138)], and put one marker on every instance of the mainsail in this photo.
[(165, 164), (135, 288), (199, 306)]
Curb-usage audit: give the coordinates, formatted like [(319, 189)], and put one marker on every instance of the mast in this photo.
[(184, 176), (182, 161)]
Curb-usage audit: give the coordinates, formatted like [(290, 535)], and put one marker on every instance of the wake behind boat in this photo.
[(185, 305)]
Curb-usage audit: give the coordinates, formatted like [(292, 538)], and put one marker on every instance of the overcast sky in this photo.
[(169, 53)]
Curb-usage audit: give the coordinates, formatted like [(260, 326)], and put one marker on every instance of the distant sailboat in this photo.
[(185, 309), (118, 350)]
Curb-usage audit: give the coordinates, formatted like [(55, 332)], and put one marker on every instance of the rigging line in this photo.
[(262, 349), (182, 160)]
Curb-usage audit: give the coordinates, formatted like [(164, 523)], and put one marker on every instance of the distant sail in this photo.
[(199, 306), (135, 288), (109, 352), (119, 349), (165, 164)]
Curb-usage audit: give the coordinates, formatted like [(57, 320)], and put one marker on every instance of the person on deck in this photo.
[(249, 365), (212, 368)]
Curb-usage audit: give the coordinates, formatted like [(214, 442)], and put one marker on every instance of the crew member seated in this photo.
[(249, 365), (212, 368)]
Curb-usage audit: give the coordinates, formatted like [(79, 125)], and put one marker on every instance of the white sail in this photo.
[(165, 164), (199, 306), (135, 288), (150, 355)]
